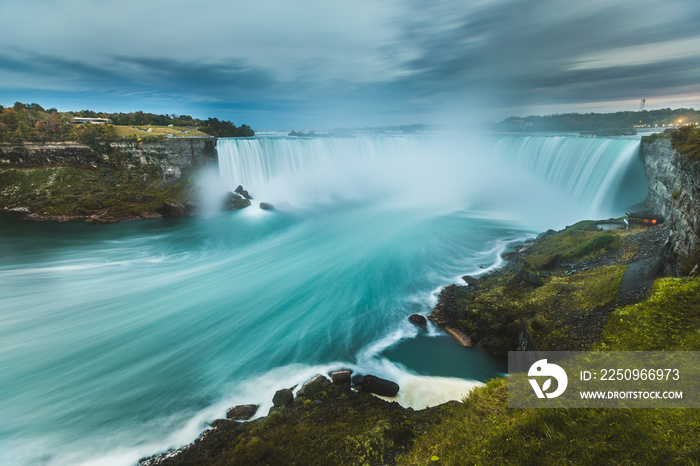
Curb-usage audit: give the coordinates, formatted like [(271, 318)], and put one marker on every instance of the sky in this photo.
[(315, 64)]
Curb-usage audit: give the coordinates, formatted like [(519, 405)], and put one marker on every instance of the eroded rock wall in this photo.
[(174, 157), (674, 193)]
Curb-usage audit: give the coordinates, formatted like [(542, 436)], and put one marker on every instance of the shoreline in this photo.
[(511, 265)]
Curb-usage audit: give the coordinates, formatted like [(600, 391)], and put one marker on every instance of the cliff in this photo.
[(674, 193), (173, 157), (71, 181)]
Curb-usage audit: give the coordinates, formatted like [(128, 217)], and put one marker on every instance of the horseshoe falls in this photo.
[(122, 341)]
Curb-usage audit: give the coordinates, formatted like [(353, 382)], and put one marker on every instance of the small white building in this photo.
[(94, 121)]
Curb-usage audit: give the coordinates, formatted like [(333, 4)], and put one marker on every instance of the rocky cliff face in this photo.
[(70, 181), (52, 153), (172, 156), (674, 193)]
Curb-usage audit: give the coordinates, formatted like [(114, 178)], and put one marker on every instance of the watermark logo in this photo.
[(543, 369)]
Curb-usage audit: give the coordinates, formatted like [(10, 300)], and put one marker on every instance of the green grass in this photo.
[(482, 430), (548, 311), (577, 242), (157, 132), (668, 321)]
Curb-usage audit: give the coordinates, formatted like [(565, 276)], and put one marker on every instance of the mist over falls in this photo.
[(541, 181), (123, 341)]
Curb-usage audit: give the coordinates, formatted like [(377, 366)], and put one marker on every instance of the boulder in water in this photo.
[(283, 398), (417, 319), (233, 202), (469, 280), (266, 206), (320, 380), (341, 377), (377, 385), (243, 192)]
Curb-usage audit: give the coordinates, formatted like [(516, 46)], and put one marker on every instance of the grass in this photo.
[(569, 290), (157, 132), (668, 321), (483, 430), (577, 242)]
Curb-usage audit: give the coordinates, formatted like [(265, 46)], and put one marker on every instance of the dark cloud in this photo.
[(413, 59)]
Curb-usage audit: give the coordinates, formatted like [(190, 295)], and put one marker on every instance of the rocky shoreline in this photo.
[(313, 401), (642, 245), (464, 313)]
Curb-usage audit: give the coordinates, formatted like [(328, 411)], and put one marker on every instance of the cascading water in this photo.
[(123, 341), (591, 177)]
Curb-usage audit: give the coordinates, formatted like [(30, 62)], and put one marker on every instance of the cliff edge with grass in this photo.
[(102, 183)]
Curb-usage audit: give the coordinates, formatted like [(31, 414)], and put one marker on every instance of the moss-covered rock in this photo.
[(73, 193), (561, 287), (328, 426)]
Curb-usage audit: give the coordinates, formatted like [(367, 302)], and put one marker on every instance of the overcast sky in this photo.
[(327, 63)]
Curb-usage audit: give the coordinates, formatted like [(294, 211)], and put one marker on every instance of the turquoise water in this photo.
[(124, 340)]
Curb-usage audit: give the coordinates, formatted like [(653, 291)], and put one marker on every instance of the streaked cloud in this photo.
[(320, 63)]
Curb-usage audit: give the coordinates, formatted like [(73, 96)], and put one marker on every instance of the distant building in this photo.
[(94, 121)]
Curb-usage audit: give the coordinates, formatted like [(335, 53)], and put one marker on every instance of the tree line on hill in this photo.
[(33, 123), (602, 124)]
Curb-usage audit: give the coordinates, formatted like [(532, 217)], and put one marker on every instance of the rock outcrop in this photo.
[(319, 381), (233, 202), (418, 319), (463, 339), (242, 192), (376, 385), (173, 157), (172, 209), (241, 412), (341, 377), (282, 398), (674, 193)]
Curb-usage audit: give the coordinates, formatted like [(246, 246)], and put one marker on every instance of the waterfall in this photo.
[(590, 176)]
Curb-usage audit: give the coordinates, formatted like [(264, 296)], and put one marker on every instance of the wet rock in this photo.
[(191, 207), (418, 319), (242, 412), (469, 280), (376, 385), (320, 380), (243, 192), (172, 209), (233, 202), (266, 206), (147, 214), (341, 377), (509, 255), (283, 398), (219, 423), (461, 337)]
